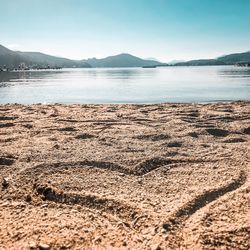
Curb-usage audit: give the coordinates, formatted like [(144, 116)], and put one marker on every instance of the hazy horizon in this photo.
[(162, 29)]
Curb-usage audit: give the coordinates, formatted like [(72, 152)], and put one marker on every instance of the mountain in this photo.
[(235, 58), (121, 60), (53, 61), (9, 57), (173, 62), (152, 59), (201, 62), (12, 59), (223, 60)]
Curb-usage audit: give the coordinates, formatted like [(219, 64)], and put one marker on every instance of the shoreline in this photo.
[(128, 103), (125, 176)]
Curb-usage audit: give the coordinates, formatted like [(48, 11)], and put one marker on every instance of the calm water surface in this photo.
[(126, 85)]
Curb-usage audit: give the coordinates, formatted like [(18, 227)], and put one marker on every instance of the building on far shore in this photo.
[(4, 68)]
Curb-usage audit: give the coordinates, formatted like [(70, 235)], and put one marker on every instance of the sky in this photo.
[(163, 29)]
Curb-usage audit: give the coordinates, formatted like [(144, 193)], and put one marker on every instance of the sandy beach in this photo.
[(166, 176)]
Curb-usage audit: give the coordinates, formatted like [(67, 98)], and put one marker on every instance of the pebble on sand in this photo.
[(43, 246)]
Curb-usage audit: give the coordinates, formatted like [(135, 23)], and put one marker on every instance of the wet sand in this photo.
[(168, 176)]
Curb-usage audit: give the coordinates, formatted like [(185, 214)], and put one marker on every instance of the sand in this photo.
[(167, 176)]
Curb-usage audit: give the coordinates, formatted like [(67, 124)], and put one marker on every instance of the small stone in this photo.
[(28, 198), (5, 183), (43, 246), (98, 239), (56, 146), (32, 245), (63, 248), (166, 226), (124, 243)]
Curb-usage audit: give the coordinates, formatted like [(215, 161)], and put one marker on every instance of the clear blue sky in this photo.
[(164, 29)]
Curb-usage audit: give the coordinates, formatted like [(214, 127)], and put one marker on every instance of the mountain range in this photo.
[(121, 60), (12, 59), (222, 60)]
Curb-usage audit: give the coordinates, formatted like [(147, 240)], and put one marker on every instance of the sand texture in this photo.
[(168, 176)]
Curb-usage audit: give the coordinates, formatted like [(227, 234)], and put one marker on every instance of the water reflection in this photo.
[(234, 72), (126, 74), (19, 76)]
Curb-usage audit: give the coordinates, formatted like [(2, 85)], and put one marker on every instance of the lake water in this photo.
[(126, 85)]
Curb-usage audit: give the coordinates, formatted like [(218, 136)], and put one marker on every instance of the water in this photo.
[(126, 85)]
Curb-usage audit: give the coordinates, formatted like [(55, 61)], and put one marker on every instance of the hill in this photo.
[(222, 60), (121, 60), (9, 57), (235, 58), (12, 59), (201, 62), (53, 61)]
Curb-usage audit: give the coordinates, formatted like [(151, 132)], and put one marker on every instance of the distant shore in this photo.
[(11, 60)]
